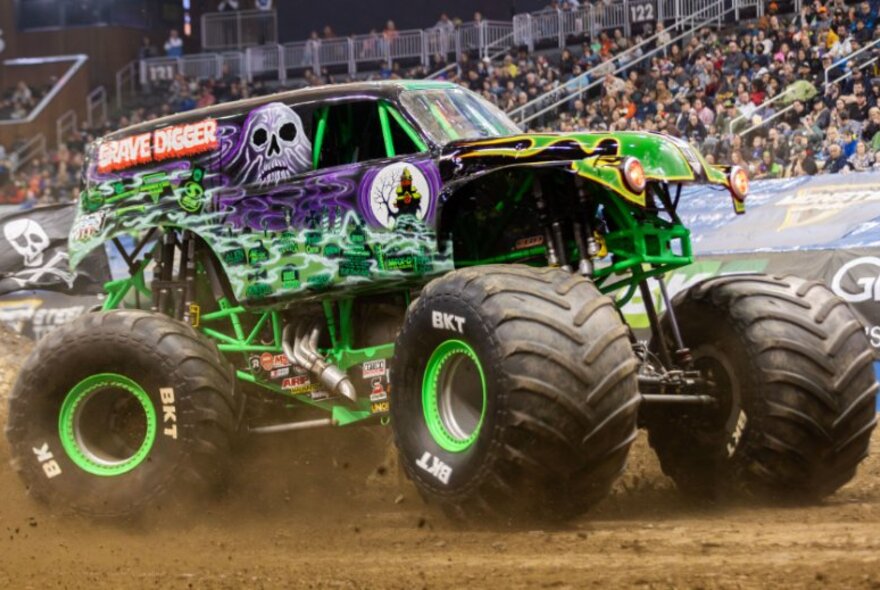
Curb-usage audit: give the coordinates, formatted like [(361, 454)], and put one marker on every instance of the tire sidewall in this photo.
[(420, 337), (35, 408)]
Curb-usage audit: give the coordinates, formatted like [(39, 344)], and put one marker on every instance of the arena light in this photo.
[(634, 175), (739, 182)]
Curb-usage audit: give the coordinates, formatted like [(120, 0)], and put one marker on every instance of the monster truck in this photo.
[(400, 252)]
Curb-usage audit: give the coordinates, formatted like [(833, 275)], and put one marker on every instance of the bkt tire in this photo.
[(122, 410), (794, 374), (514, 393)]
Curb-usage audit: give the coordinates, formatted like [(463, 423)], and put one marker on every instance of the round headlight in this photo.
[(739, 182), (634, 175)]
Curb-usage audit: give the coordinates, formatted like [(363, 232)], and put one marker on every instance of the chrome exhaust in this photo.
[(303, 352)]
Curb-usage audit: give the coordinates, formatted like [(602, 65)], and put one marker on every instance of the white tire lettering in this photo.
[(447, 321), (435, 467), (169, 412), (47, 461), (736, 437)]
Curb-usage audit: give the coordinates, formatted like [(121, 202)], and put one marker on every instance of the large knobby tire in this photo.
[(119, 411), (793, 370), (515, 393)]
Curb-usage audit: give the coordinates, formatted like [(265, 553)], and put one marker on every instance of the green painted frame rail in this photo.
[(341, 352)]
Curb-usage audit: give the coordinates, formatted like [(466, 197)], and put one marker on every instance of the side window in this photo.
[(353, 132), (403, 143)]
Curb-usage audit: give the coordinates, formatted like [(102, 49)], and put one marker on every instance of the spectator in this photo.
[(836, 161), (23, 94), (228, 5), (147, 49), (862, 159), (174, 44), (207, 98), (768, 167)]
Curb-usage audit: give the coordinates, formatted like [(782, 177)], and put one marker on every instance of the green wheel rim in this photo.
[(453, 385), (107, 398)]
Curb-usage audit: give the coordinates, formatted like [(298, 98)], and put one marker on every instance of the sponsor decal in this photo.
[(531, 242), (195, 314), (317, 396), (88, 226), (297, 384), (864, 274), (812, 205), (378, 393), (269, 361), (873, 334), (435, 467), (373, 369), (447, 321), (169, 411), (379, 408), (47, 460), (279, 373), (175, 141)]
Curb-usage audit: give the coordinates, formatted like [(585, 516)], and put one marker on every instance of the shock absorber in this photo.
[(583, 235), (162, 285), (552, 257), (190, 312)]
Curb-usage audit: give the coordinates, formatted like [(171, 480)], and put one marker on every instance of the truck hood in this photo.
[(596, 156)]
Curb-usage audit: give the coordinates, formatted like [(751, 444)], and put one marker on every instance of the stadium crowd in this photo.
[(710, 89)]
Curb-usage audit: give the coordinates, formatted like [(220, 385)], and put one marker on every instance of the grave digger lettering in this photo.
[(168, 142)]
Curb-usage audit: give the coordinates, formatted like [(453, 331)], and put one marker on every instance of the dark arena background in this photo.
[(462, 294)]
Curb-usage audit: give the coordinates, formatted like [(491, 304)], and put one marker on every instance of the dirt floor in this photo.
[(326, 510)]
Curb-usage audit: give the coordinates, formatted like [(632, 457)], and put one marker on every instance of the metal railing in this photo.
[(239, 29), (96, 106), (258, 54), (125, 82), (64, 125), (77, 62), (764, 105), (161, 69), (265, 59), (499, 43), (621, 62), (848, 60), (35, 147), (355, 53)]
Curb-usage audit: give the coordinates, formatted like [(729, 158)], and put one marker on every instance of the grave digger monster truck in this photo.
[(401, 252)]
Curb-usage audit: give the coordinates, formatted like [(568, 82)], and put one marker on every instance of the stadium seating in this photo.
[(782, 89)]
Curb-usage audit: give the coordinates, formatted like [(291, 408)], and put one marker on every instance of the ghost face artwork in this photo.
[(273, 147)]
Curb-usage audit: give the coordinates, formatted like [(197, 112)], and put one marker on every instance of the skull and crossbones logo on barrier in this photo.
[(29, 239)]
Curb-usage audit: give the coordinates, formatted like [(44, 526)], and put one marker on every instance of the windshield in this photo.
[(448, 114)]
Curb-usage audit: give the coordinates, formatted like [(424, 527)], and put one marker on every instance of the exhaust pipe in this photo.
[(304, 353)]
